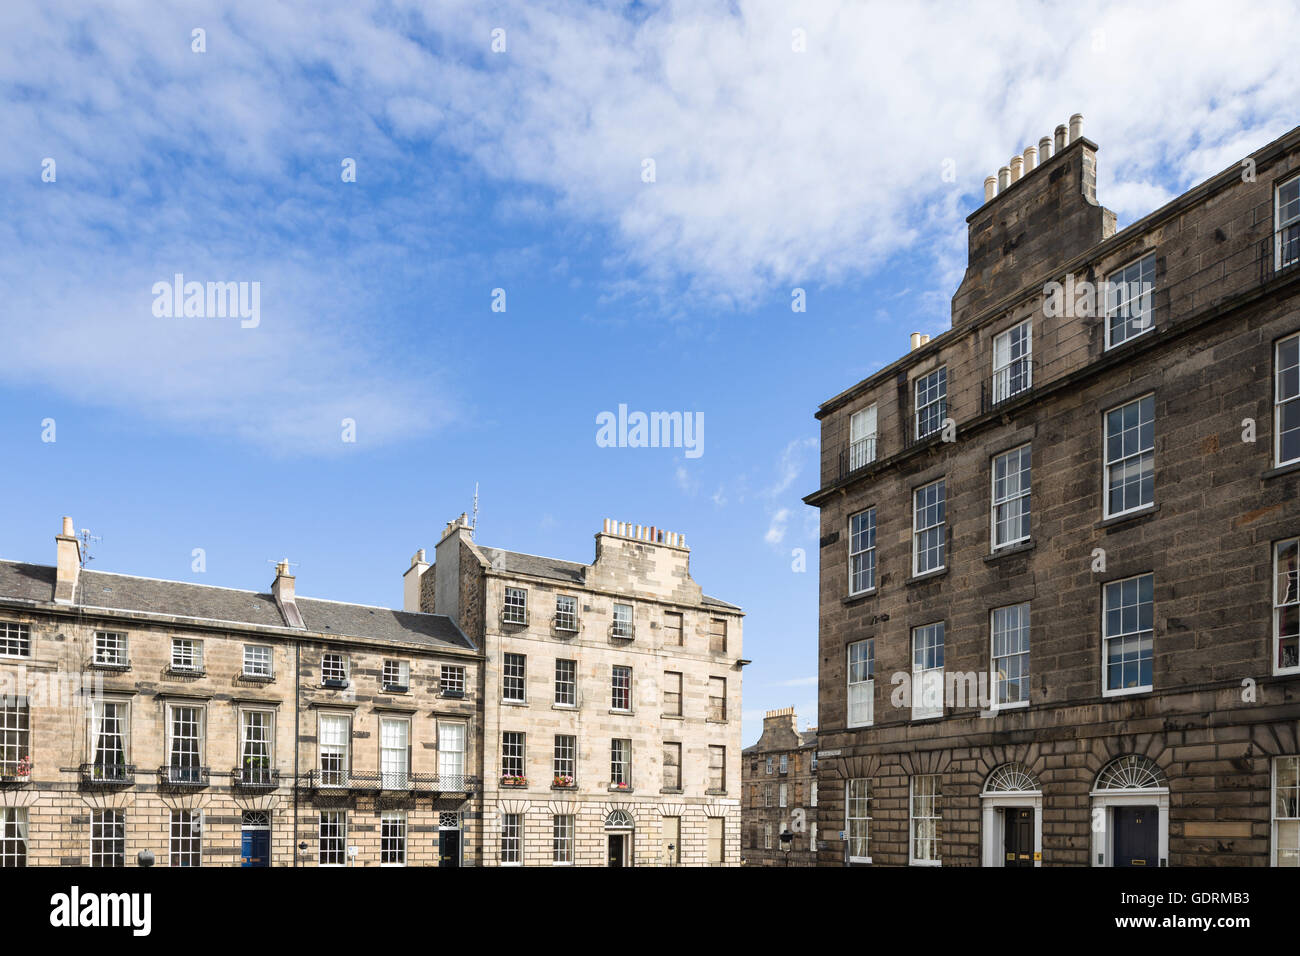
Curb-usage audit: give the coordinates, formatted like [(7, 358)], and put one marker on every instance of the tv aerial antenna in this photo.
[(474, 523), (86, 538)]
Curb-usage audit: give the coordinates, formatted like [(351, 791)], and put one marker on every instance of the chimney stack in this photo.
[(411, 582), (68, 566), (283, 591)]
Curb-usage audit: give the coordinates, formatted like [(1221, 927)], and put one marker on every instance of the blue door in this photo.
[(256, 848)]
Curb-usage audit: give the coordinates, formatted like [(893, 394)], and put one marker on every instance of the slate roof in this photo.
[(202, 602), (571, 572)]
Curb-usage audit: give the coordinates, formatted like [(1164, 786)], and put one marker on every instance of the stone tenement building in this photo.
[(611, 703), (213, 726), (779, 784), (1059, 611)]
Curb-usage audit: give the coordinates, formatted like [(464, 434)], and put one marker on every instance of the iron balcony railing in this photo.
[(622, 632), (107, 774), (255, 778), (388, 781), (183, 776)]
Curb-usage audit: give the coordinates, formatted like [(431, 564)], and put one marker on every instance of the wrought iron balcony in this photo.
[(342, 781), (183, 777), (107, 775), (255, 778), (622, 632), (514, 616)]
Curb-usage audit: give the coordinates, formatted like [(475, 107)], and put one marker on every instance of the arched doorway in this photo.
[(1130, 814), (620, 834), (1011, 811)]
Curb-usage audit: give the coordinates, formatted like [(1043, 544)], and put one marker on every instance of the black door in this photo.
[(616, 849), (1137, 835), (1018, 827), (449, 848)]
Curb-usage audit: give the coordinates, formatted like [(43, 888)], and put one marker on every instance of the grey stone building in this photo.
[(218, 727), (779, 794), (611, 699), (1059, 617)]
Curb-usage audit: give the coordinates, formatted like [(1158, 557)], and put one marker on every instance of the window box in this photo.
[(453, 694), (620, 787), (117, 667), (397, 689), (16, 773), (334, 683), (563, 783), (513, 780), (177, 670)]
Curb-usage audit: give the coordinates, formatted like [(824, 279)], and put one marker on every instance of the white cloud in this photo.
[(776, 526)]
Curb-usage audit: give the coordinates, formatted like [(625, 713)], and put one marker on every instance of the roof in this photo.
[(124, 593), (570, 572)]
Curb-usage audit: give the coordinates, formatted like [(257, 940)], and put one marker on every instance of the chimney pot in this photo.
[(1031, 159), (916, 341), (1060, 139), (1044, 149), (1076, 126), (1004, 178), (990, 187), (925, 339), (1017, 168)]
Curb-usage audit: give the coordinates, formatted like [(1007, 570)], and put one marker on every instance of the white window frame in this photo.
[(782, 795), (111, 649), (1020, 498), (1107, 637), (1008, 631), (857, 812), (1124, 460), (108, 838), (939, 528), (1279, 226), (718, 768), (451, 680), (937, 396), (254, 666), (926, 675), (451, 758), (914, 818), (1291, 819), (862, 437), (512, 841), (1006, 363), (861, 674), (620, 762), (1115, 280), (566, 682), (620, 688), (15, 737), (862, 552), (334, 666), (1281, 401), (394, 752), (514, 608), (121, 733), (566, 613), (514, 676), (562, 839), (339, 752), (1286, 595), (15, 639), (337, 833), (392, 838), (396, 675), (14, 822), (247, 752), (186, 827), (181, 772), (624, 621), (564, 760), (514, 754), (187, 655)]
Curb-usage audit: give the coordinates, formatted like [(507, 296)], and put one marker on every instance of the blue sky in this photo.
[(775, 169)]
